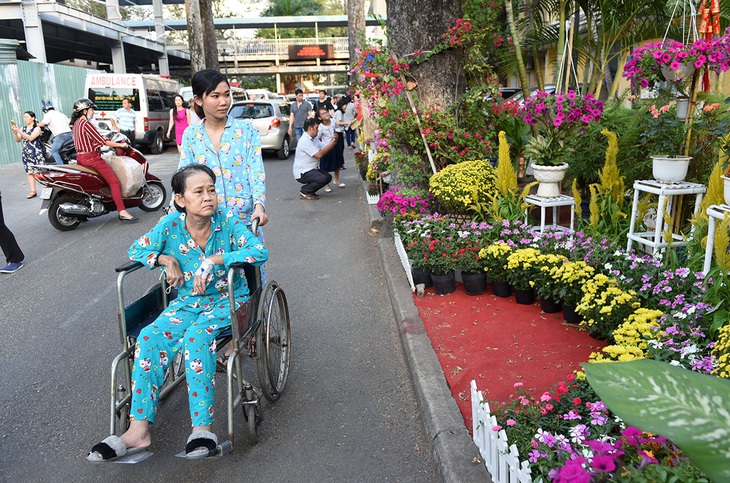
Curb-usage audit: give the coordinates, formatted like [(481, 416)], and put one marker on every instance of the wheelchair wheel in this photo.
[(273, 341), (252, 413)]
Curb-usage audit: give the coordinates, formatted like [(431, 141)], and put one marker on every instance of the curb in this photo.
[(455, 454)]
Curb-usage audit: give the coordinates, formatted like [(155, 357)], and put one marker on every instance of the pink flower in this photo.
[(511, 422), (496, 428)]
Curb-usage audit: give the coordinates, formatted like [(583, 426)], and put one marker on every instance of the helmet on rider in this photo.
[(82, 104), (47, 106)]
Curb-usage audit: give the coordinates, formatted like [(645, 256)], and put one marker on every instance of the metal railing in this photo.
[(270, 47)]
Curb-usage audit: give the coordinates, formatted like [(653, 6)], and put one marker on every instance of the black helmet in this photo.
[(82, 104)]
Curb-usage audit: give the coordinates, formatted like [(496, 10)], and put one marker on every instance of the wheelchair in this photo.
[(260, 330)]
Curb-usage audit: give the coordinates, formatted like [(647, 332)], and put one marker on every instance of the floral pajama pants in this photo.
[(193, 331)]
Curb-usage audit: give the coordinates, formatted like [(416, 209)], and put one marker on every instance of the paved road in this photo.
[(349, 412)]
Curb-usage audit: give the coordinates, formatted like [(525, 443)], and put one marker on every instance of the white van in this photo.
[(151, 96)]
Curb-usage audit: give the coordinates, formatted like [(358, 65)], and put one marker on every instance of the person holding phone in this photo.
[(32, 153)]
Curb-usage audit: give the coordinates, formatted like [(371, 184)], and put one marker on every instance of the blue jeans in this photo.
[(351, 136), (299, 131), (56, 146)]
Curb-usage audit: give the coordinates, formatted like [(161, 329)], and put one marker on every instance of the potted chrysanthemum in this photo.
[(494, 258)]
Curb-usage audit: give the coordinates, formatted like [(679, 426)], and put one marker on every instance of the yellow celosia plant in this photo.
[(458, 187), (608, 196), (506, 202), (632, 337)]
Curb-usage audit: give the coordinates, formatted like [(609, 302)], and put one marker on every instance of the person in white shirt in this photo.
[(306, 161), (58, 123)]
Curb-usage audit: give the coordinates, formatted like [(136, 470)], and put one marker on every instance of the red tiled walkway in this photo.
[(498, 342)]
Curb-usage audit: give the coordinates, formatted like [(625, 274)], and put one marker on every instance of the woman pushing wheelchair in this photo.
[(194, 246)]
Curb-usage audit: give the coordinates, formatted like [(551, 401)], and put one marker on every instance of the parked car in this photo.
[(519, 97), (271, 118), (505, 92)]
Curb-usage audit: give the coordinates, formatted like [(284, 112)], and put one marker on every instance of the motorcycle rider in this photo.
[(88, 143), (58, 123)]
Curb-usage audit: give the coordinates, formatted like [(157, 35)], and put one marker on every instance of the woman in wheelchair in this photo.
[(193, 245)]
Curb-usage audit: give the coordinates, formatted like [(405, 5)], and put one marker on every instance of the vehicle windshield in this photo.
[(252, 111), (110, 98)]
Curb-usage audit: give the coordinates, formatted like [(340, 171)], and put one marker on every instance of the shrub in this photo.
[(458, 187)]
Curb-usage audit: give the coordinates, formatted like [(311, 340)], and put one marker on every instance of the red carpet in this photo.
[(498, 342)]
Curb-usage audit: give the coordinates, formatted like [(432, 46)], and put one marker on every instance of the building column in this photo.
[(114, 15), (160, 36), (33, 30)]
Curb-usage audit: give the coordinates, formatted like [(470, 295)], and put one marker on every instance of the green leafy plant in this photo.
[(689, 408), (664, 134)]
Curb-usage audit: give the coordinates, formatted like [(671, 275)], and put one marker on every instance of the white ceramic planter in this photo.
[(550, 178), (727, 189), (670, 170)]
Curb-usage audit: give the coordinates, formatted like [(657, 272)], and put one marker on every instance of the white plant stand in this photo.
[(554, 203), (665, 192), (715, 212)]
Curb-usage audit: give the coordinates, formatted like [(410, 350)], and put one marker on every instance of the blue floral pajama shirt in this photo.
[(240, 180), (190, 323), (238, 166)]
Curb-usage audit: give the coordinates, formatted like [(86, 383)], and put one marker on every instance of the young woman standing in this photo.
[(180, 118), (32, 153)]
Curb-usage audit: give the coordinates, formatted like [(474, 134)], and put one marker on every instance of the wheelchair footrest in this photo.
[(133, 458), (221, 450)]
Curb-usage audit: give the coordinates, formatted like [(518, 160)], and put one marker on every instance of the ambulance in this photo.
[(151, 96)]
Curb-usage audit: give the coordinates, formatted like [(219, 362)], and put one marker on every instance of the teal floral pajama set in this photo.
[(190, 323)]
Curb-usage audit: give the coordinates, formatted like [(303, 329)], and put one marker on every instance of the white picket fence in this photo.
[(501, 459), (401, 251)]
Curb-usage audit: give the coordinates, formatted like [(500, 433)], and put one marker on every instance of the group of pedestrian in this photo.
[(321, 152)]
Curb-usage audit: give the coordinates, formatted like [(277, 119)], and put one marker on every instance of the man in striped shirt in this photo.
[(123, 121)]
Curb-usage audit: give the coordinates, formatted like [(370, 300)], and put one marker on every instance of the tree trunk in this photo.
[(355, 30), (417, 26), (195, 36), (210, 44), (518, 49)]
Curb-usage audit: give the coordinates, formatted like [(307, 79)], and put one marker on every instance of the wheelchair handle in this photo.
[(128, 267)]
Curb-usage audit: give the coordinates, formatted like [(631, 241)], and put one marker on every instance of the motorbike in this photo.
[(67, 150), (73, 193)]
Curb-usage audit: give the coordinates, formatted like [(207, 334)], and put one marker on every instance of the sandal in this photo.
[(201, 444), (110, 449), (32, 194)]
